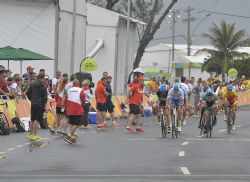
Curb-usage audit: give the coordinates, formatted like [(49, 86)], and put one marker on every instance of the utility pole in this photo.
[(174, 15), (188, 20)]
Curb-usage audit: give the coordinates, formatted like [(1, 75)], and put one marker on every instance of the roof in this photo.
[(115, 14)]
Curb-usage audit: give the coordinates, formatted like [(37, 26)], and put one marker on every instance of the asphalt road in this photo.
[(115, 155)]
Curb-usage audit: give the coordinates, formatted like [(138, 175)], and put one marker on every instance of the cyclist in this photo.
[(176, 99), (162, 94), (209, 100), (186, 91), (230, 98)]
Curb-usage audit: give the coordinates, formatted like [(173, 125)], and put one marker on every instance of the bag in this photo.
[(4, 128), (51, 119), (18, 125)]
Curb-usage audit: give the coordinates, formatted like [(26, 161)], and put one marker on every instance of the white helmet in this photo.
[(139, 70)]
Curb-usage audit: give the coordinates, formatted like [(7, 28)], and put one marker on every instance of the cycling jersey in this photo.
[(231, 97), (210, 100), (176, 98)]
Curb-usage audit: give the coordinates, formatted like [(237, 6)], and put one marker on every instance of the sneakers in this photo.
[(140, 129), (179, 129), (114, 124), (52, 131), (225, 118), (70, 139), (101, 126), (129, 129), (233, 127), (33, 137), (184, 123)]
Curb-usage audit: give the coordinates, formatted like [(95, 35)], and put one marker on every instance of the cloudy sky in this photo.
[(238, 9)]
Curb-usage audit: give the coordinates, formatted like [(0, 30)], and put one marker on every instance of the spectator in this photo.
[(29, 72), (54, 81), (3, 84), (86, 106), (25, 85), (101, 95), (109, 104), (37, 94), (74, 100)]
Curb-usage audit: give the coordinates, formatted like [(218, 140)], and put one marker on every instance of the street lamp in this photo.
[(174, 15)]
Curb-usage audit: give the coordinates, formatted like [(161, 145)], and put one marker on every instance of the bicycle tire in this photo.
[(173, 125), (211, 125), (163, 127), (229, 125), (4, 125), (202, 126)]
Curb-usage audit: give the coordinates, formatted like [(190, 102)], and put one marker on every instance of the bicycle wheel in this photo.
[(163, 127), (173, 125), (202, 125), (229, 123), (211, 125), (208, 126), (4, 125)]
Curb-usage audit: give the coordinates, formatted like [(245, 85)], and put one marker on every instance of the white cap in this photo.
[(139, 70)]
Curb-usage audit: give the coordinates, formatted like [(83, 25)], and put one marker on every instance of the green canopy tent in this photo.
[(20, 54)]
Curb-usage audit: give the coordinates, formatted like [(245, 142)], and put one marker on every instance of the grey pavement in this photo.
[(115, 155)]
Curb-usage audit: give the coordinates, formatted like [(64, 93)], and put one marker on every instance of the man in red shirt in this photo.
[(135, 100), (101, 96)]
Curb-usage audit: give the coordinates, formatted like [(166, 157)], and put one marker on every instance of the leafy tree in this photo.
[(144, 10), (243, 67), (109, 4), (226, 42)]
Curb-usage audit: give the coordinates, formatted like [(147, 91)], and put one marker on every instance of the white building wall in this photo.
[(66, 35), (30, 25)]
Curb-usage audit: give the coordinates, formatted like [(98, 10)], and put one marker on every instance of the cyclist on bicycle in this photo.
[(230, 98), (175, 99), (209, 101), (162, 94)]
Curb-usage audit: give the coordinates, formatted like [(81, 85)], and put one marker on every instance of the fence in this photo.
[(21, 107)]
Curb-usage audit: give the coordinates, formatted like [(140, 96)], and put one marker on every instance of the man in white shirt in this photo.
[(55, 80)]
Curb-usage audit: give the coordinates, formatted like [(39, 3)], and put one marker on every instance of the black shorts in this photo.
[(110, 107), (162, 103), (59, 111), (101, 107), (134, 109), (37, 111), (76, 120)]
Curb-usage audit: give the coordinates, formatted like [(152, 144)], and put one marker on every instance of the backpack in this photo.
[(4, 128), (18, 125)]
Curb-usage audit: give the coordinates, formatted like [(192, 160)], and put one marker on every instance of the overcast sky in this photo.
[(232, 7)]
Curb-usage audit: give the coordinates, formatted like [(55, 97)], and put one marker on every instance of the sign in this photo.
[(232, 72), (89, 65)]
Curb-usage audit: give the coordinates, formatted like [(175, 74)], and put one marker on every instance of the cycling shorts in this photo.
[(175, 103)]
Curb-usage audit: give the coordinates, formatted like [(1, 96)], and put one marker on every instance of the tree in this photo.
[(144, 10), (226, 43), (150, 30), (242, 66), (108, 4)]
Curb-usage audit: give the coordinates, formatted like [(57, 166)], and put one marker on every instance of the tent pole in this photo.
[(21, 68), (8, 64)]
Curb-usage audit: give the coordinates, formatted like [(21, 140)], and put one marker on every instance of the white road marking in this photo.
[(181, 153), (199, 136), (222, 130), (10, 149), (19, 146), (238, 126), (125, 175), (92, 132), (27, 143), (185, 143), (185, 170), (219, 139)]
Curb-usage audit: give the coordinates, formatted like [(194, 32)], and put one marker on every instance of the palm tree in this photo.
[(226, 42)]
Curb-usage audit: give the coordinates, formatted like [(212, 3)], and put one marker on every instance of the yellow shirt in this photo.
[(231, 97)]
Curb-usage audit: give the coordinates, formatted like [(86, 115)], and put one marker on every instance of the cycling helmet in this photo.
[(176, 86), (139, 71), (209, 92), (230, 87)]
